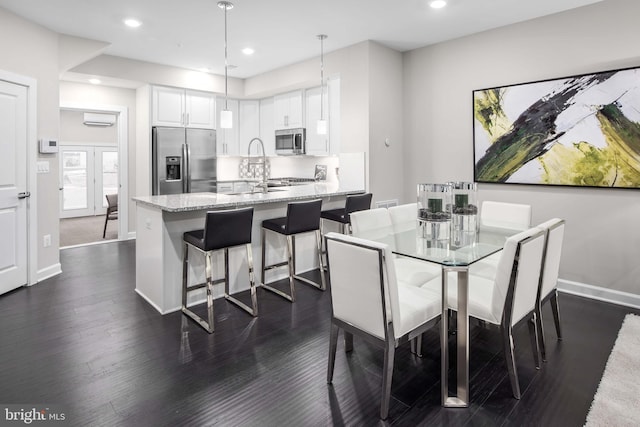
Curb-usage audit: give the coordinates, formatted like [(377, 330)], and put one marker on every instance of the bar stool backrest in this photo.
[(303, 216), (358, 202), (225, 229)]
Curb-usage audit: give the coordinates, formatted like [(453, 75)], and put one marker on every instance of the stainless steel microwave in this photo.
[(290, 141)]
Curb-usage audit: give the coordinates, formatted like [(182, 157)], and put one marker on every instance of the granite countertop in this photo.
[(196, 201)]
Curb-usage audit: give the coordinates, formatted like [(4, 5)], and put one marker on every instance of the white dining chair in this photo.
[(500, 215), (404, 217), (375, 224), (367, 301), (548, 289), (510, 297), (514, 216)]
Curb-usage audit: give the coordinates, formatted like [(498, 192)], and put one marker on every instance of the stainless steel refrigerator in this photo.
[(184, 160)]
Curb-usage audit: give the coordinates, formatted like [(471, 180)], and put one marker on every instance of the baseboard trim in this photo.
[(47, 272), (153, 304), (598, 293)]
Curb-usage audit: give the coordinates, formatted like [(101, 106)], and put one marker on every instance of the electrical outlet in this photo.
[(46, 240)]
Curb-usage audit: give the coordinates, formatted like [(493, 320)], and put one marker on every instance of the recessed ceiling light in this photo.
[(95, 81), (131, 22), (438, 4), (248, 51)]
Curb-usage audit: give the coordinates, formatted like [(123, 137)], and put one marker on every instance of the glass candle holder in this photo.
[(464, 213), (434, 213)]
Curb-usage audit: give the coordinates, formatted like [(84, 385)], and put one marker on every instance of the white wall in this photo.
[(31, 50), (386, 175), (602, 240), (74, 131), (96, 95)]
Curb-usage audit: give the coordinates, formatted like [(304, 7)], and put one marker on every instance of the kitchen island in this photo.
[(161, 221)]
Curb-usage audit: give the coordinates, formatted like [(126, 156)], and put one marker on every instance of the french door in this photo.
[(87, 174)]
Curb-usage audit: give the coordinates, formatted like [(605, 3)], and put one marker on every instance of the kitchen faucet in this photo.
[(263, 184)]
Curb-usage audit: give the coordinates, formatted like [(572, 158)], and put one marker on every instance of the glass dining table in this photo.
[(406, 240)]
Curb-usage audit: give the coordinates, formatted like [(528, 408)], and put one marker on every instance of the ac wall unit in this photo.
[(99, 119)]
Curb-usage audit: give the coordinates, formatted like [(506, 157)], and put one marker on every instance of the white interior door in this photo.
[(13, 181), (87, 174)]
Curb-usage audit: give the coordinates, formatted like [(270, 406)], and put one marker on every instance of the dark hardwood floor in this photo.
[(86, 341)]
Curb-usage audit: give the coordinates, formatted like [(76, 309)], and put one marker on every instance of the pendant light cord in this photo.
[(322, 37), (226, 62)]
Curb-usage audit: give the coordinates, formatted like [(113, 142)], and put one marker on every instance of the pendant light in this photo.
[(226, 116), (322, 123)]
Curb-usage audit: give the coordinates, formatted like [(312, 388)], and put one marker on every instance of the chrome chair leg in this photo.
[(252, 280), (323, 283), (185, 266), (289, 262), (507, 339), (555, 309), (541, 335), (387, 376), (209, 292), (535, 338), (253, 310), (416, 346), (291, 259), (348, 341), (333, 344)]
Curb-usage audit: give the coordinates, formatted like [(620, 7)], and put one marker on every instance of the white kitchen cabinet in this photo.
[(167, 106), (288, 110), (328, 144), (317, 145), (249, 124), (200, 109), (267, 126), (182, 108), (227, 140)]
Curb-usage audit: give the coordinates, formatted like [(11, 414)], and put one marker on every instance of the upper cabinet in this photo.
[(249, 124), (328, 144), (182, 108), (288, 111), (228, 139), (267, 126)]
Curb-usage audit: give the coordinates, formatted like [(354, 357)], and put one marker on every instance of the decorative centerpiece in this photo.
[(434, 215), (464, 213)]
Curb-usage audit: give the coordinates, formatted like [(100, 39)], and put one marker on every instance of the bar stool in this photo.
[(222, 230), (354, 203), (302, 217)]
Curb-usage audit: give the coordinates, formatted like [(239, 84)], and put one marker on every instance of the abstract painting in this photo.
[(578, 131)]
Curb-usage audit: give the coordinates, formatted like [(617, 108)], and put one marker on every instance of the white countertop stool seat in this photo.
[(367, 301), (222, 230), (302, 217)]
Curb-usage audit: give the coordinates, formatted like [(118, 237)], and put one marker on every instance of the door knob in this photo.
[(24, 195)]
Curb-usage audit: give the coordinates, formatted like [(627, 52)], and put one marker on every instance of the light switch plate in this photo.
[(43, 166)]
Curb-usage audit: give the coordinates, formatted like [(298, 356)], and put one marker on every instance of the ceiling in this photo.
[(190, 33)]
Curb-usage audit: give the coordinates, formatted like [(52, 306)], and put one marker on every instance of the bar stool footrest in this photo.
[(277, 292), (309, 282), (199, 320), (242, 305)]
